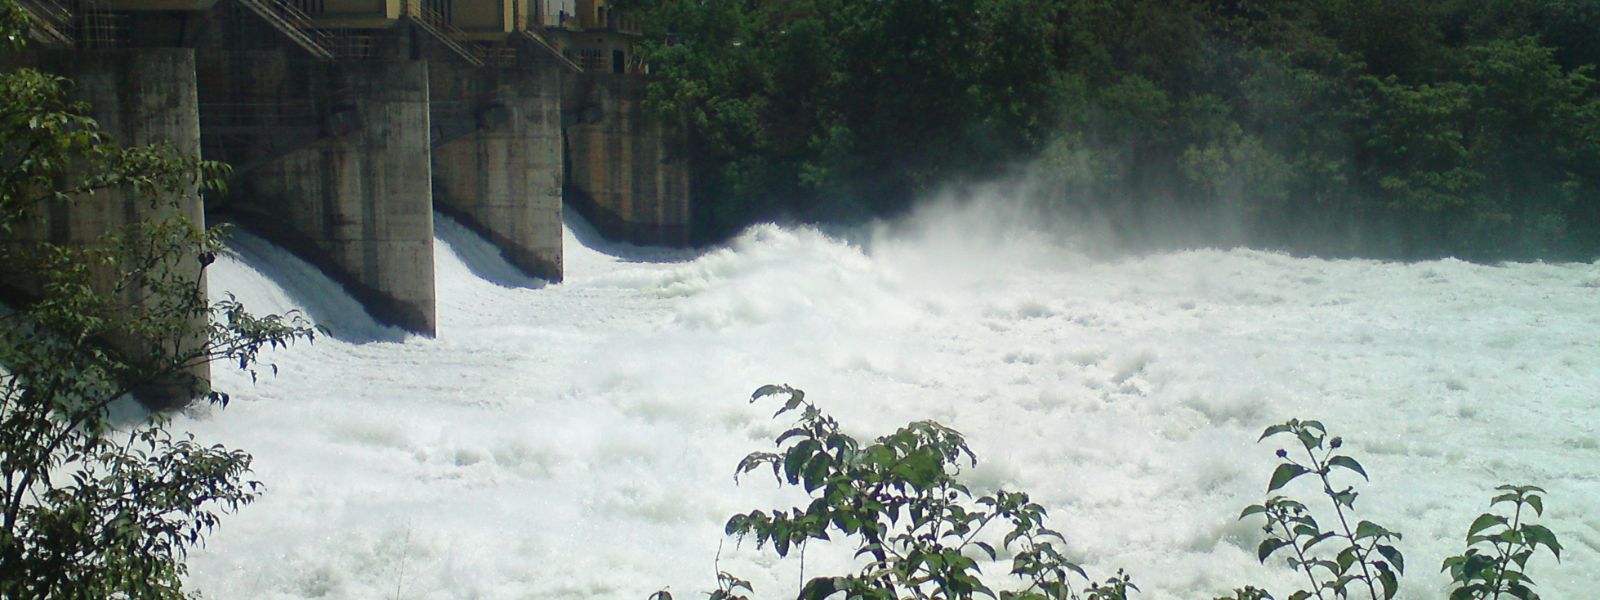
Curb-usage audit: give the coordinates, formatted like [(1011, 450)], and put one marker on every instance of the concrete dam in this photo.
[(347, 123)]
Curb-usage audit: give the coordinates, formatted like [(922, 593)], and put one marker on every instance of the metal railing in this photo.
[(98, 27), (499, 55), (353, 44), (51, 22), (434, 24), (553, 48), (294, 23), (588, 59)]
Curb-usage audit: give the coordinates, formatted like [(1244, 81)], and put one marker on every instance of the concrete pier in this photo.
[(333, 162), (497, 154), (628, 173)]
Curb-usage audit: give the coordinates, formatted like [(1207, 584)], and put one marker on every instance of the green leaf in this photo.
[(1267, 547), (987, 549), (1285, 473), (795, 399), (816, 472), (819, 588), (796, 457), (1346, 558), (780, 542), (1394, 556), (1366, 529), (1316, 540), (1484, 521), (1539, 534), (1387, 579), (1272, 431), (766, 390), (1348, 463), (1309, 440)]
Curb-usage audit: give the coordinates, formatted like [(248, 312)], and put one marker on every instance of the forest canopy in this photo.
[(1386, 128)]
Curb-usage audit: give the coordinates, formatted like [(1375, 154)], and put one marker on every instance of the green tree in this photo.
[(1372, 127), (92, 506)]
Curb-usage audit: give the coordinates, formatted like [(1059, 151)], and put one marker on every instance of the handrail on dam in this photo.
[(51, 22), (554, 50), (436, 25), (295, 24)]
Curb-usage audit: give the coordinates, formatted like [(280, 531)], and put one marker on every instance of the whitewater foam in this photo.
[(578, 440)]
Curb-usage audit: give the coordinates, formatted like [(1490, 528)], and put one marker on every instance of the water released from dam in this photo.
[(578, 440)]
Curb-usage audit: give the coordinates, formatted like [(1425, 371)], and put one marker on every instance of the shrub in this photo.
[(900, 503)]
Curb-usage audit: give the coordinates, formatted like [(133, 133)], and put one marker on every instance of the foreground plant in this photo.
[(900, 503), (91, 506), (1498, 549), (1342, 561), (1357, 557)]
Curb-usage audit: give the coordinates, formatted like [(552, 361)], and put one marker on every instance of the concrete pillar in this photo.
[(499, 170), (138, 97), (331, 158), (627, 171), (359, 199)]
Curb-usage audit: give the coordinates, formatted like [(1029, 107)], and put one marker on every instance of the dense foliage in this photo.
[(1374, 127), (93, 505), (919, 532)]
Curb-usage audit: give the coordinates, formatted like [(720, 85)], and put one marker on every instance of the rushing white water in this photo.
[(578, 440)]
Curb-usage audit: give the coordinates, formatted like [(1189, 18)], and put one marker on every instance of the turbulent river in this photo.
[(578, 440)]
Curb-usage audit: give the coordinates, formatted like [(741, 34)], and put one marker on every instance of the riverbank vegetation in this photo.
[(97, 501), (1351, 127)]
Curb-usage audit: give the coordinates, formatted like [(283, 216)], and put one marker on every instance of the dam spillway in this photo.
[(348, 123)]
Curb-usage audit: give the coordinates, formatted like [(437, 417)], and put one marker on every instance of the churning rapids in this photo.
[(578, 440)]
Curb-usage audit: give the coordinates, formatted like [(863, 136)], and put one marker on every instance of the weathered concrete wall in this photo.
[(497, 159), (627, 172), (139, 97), (333, 161), (363, 197)]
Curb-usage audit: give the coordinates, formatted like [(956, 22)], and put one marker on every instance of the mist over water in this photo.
[(578, 440)]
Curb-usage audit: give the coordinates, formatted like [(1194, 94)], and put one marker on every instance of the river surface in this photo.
[(578, 440)]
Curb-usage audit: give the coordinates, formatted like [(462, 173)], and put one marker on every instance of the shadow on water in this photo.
[(482, 258), (324, 301), (589, 237)]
